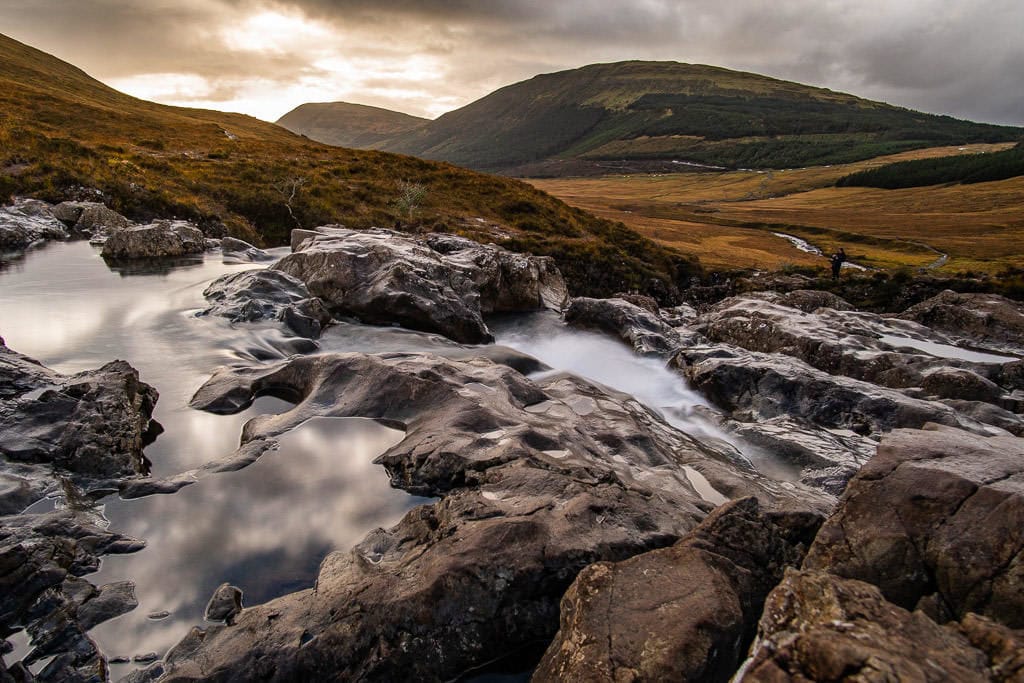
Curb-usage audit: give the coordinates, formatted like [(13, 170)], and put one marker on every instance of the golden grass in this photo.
[(727, 218)]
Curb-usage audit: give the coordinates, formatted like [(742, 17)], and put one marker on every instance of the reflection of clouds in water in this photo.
[(265, 528)]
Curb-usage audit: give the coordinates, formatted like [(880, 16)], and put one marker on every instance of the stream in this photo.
[(265, 528)]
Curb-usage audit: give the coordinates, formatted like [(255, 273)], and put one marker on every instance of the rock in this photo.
[(684, 613), (845, 417), (253, 295), (1003, 647), (863, 346), (936, 521), (27, 221), (159, 239), (819, 627), (225, 604), (40, 557), (647, 333), (94, 423), (536, 481), (113, 600), (90, 218), (443, 284), (807, 300), (237, 251), (990, 320)]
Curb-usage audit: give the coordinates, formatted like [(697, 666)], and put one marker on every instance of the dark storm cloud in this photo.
[(948, 56)]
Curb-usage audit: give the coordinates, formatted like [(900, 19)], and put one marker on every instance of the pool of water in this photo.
[(945, 350)]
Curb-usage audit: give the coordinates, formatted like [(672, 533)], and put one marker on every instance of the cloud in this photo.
[(424, 57)]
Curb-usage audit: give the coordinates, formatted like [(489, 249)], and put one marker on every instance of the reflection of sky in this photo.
[(264, 529)]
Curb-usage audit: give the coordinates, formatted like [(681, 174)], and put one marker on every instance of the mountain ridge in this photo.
[(363, 126), (671, 111)]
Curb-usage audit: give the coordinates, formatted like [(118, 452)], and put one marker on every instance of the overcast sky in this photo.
[(959, 57)]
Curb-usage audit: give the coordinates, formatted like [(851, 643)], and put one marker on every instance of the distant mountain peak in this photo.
[(348, 125)]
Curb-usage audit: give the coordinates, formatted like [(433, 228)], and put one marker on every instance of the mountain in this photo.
[(64, 135), (667, 114), (348, 125)]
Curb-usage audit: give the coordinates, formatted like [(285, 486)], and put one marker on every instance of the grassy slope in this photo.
[(667, 110), (61, 130), (971, 168), (348, 125), (727, 219)]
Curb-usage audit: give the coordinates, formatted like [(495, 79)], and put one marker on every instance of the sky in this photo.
[(265, 57)]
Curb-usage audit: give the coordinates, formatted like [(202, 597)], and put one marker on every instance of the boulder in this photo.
[(990, 320), (819, 627), (683, 613), (159, 239), (638, 327), (936, 521), (90, 218), (27, 221), (93, 424), (254, 295), (224, 604), (536, 481), (441, 284), (236, 251)]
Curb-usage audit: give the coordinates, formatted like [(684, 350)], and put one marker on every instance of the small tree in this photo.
[(409, 197), (289, 188)]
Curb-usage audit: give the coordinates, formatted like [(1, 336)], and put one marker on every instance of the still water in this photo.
[(267, 527)]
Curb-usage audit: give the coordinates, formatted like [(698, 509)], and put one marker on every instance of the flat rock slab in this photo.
[(440, 284), (936, 521), (988, 319)]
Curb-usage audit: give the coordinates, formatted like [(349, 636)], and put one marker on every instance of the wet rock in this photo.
[(113, 600), (237, 251), (159, 239), (41, 557), (826, 423), (536, 481), (444, 284), (807, 300), (936, 521), (684, 613), (819, 627), (94, 423), (254, 295), (146, 658), (645, 331), (986, 319), (225, 604), (27, 221), (862, 346)]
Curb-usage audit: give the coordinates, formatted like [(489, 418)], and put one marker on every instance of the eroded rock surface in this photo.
[(936, 521), (27, 221), (90, 218), (638, 327), (159, 239), (441, 284), (684, 613), (537, 481), (820, 627), (93, 424), (254, 295), (988, 319)]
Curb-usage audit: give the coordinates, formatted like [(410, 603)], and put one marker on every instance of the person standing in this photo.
[(837, 262)]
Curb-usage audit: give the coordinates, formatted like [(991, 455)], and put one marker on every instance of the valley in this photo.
[(729, 219)]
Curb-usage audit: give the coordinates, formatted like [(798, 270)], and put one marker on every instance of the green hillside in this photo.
[(62, 132), (968, 169), (348, 125), (670, 111)]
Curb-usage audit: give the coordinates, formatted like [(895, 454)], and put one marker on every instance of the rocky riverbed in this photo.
[(814, 493)]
